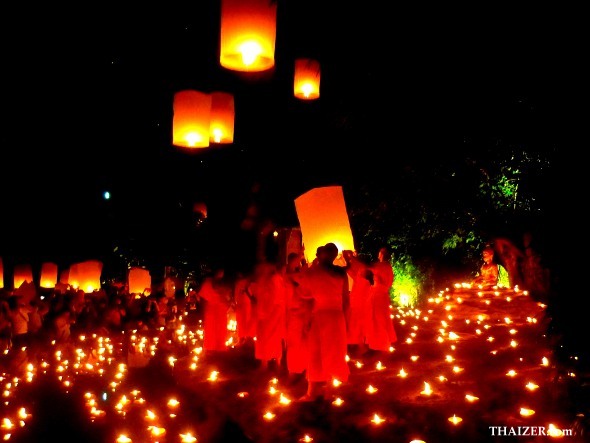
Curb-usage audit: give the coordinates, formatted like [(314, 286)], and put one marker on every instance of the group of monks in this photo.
[(307, 317)]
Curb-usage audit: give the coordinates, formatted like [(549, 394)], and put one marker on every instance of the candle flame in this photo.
[(377, 420), (455, 420), (427, 390)]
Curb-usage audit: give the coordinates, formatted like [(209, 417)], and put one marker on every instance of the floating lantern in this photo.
[(306, 80), (21, 274), (323, 218), (1, 274), (48, 275), (248, 34), (85, 275), (221, 126), (192, 119), (139, 280)]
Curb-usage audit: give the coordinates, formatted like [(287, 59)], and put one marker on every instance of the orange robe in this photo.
[(327, 287), (298, 318), (268, 290), (358, 312), (380, 330), (214, 315)]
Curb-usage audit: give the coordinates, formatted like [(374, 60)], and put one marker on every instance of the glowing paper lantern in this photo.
[(323, 218), (306, 81), (22, 273), (191, 119), (221, 129), (48, 275), (248, 34), (1, 274), (85, 275), (139, 280)]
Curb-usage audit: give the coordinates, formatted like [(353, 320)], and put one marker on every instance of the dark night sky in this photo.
[(87, 107)]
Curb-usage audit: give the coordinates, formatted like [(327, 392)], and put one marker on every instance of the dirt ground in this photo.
[(468, 366)]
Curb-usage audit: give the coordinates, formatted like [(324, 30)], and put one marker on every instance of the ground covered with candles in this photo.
[(470, 365)]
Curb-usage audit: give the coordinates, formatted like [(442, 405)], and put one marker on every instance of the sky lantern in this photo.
[(139, 280), (323, 218), (221, 128), (22, 273), (306, 81), (48, 275), (247, 35), (85, 275), (191, 119), (1, 274)]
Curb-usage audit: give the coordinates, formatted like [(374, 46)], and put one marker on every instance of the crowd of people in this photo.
[(301, 318)]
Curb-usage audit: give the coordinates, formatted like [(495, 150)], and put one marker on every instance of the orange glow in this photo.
[(192, 119), (377, 420), (187, 438), (306, 82), (323, 218), (371, 390), (85, 275), (427, 390), (525, 412), (48, 275), (21, 274), (455, 420), (338, 401), (248, 34), (139, 280), (221, 128), (1, 273)]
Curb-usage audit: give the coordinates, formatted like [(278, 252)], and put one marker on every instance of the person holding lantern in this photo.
[(326, 285)]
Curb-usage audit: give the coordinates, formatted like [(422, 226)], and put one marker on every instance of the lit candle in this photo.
[(455, 420), (338, 401), (377, 420)]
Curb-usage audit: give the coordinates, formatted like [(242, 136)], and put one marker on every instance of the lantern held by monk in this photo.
[(192, 119), (323, 219), (306, 81), (248, 34)]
